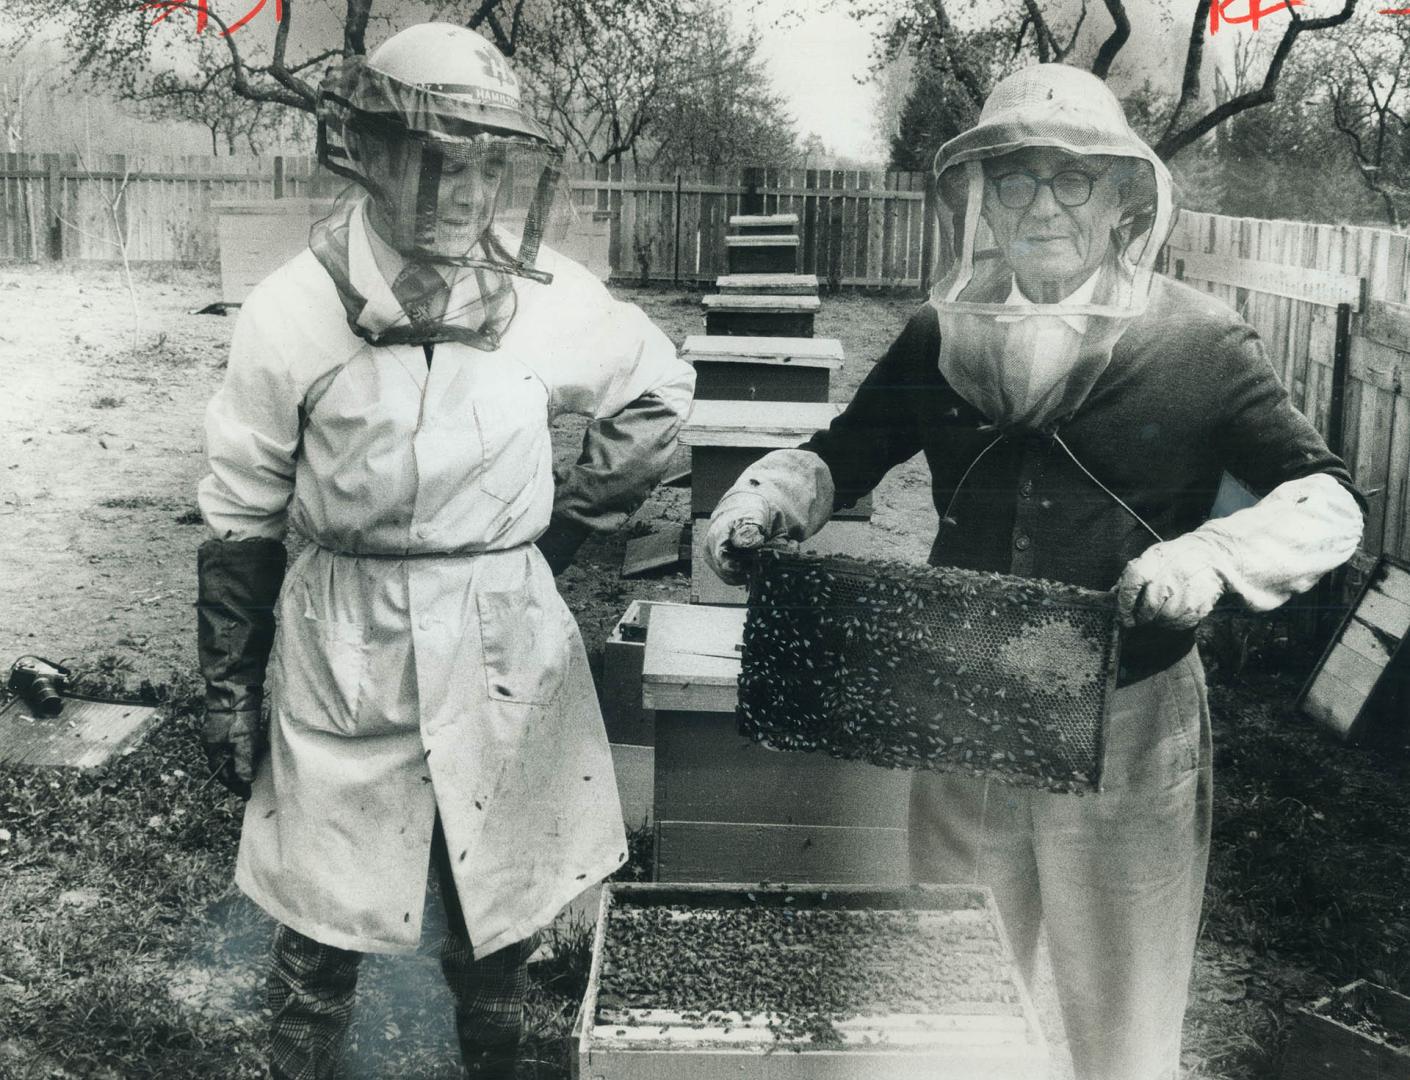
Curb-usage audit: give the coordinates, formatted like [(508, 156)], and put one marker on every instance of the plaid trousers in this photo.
[(311, 988)]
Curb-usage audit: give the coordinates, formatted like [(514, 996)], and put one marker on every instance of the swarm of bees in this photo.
[(928, 668), (800, 968)]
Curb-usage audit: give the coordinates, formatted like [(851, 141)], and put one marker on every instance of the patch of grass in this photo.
[(107, 401), (1308, 868)]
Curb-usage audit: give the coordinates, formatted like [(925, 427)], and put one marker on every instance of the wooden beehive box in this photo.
[(728, 809), (767, 284), (765, 254), (1359, 1031), (627, 721), (1362, 677), (259, 236), (760, 316), (726, 437), (763, 224), (762, 368), (790, 982)]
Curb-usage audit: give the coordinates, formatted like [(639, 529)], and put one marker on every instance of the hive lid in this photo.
[(691, 661), (766, 424), (804, 352)]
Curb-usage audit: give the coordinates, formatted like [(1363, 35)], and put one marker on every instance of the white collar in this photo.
[(1081, 295), (373, 265)]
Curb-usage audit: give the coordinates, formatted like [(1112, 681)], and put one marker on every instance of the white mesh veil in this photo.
[(1052, 212)]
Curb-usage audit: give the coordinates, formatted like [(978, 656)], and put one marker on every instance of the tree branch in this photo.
[(1173, 143), (277, 67), (1115, 41), (355, 27), (1194, 60)]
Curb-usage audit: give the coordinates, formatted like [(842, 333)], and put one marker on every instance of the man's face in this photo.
[(1058, 239), (466, 190)]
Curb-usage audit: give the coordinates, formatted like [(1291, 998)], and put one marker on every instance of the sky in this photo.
[(816, 54)]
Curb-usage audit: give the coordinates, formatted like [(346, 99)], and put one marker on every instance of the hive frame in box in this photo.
[(963, 1044), (855, 657)]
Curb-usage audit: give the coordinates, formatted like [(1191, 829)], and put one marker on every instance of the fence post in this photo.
[(53, 191), (278, 176), (752, 201), (927, 234), (1341, 362), (676, 248)]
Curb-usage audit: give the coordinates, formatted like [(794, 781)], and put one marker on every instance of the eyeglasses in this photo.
[(1017, 190)]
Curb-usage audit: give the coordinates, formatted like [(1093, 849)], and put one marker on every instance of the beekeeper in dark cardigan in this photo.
[(388, 398), (1077, 412)]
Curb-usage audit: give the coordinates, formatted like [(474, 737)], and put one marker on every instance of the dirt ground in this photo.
[(101, 448)]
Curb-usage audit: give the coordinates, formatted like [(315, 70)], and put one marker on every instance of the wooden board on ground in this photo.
[(1326, 1040), (837, 537), (767, 284), (660, 550), (1363, 673), (86, 735)]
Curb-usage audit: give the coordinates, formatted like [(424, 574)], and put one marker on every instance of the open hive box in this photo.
[(818, 982), (929, 667)]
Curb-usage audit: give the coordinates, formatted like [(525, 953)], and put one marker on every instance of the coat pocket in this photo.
[(509, 447), (320, 672), (525, 647)]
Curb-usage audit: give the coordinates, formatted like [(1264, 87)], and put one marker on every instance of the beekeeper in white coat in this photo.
[(388, 398)]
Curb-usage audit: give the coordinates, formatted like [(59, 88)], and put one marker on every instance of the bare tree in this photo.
[(1368, 85), (598, 70), (1031, 32)]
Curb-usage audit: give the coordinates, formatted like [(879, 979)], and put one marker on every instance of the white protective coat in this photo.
[(424, 661)]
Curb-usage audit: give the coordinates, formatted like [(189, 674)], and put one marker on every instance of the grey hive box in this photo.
[(767, 284), (763, 224), (726, 437), (766, 254), (727, 809), (760, 316), (734, 368)]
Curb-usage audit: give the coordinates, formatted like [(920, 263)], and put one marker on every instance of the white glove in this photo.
[(1264, 554), (786, 493), (740, 523), (1175, 584)]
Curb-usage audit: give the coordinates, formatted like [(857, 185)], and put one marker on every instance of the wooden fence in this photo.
[(856, 228), (1330, 304)]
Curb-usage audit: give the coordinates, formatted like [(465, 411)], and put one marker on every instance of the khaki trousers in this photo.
[(1116, 878)]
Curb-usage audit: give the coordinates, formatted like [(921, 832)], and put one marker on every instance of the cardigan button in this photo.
[(1026, 488), (1021, 542)]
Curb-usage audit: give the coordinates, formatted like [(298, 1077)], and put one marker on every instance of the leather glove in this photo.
[(740, 524), (234, 742), (238, 582), (560, 542), (1173, 584)]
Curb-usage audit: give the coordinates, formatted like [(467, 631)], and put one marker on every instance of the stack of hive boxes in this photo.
[(724, 808)]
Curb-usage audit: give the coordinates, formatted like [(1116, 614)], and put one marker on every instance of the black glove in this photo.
[(560, 542), (238, 582)]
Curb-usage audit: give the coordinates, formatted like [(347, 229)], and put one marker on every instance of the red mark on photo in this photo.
[(202, 10), (1226, 11)]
